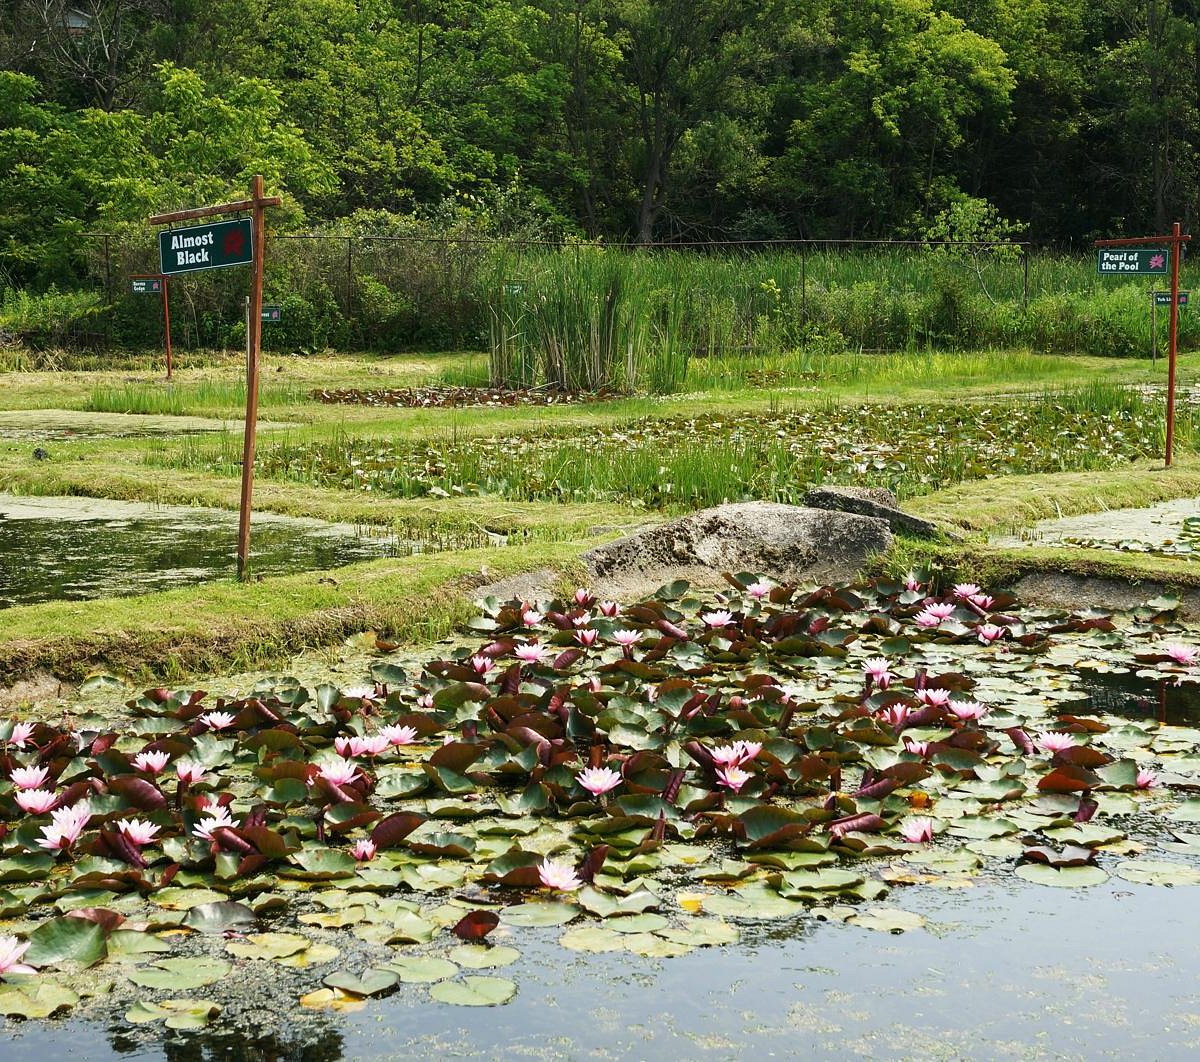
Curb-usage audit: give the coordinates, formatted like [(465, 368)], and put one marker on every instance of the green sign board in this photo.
[(1163, 298), (1117, 261), (272, 313), (147, 287), (214, 246)]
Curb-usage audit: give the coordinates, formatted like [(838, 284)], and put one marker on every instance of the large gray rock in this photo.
[(786, 542), (872, 501)]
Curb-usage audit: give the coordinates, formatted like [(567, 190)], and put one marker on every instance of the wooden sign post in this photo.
[(217, 246), (1153, 261), (149, 284)]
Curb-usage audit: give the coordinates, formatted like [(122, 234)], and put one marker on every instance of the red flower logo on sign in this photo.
[(234, 242), (1157, 261)]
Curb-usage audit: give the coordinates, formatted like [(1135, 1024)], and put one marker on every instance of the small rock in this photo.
[(872, 501)]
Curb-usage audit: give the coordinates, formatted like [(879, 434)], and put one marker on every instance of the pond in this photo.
[(69, 548), (65, 424), (883, 820), (1168, 528)]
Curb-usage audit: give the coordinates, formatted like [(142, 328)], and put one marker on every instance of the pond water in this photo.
[(65, 424), (76, 548), (998, 973), (1168, 527)]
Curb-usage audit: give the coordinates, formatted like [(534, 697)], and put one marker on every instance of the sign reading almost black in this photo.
[(147, 287), (272, 314), (1112, 261), (214, 246)]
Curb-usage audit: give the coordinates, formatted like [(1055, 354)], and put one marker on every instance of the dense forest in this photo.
[(626, 120)]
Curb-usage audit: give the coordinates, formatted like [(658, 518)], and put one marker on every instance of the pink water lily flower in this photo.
[(11, 950), (598, 780), (989, 632), (339, 771), (359, 693), (912, 583), (36, 801), (917, 748), (531, 617), (966, 590), (21, 734), (151, 762), (364, 850), (341, 745), (878, 670), (581, 621), (748, 750), (29, 777), (927, 619), (138, 831), (726, 755), (984, 602), (626, 638), (733, 777), (555, 874), (370, 745), (399, 735), (609, 608), (583, 597), (481, 665), (1147, 779), (220, 819), (68, 824), (218, 720), (587, 638), (532, 653), (760, 589), (933, 696), (425, 701), (917, 830), (189, 773), (717, 619), (1052, 741), (968, 710), (896, 714), (1181, 654)]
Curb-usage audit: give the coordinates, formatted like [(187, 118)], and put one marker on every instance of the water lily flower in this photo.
[(1181, 654), (425, 701), (29, 777), (363, 850), (558, 875), (758, 590), (718, 619), (21, 734), (11, 950), (481, 665), (982, 601), (966, 590), (189, 773), (933, 696), (1052, 741), (220, 819), (361, 693), (733, 777), (68, 824), (748, 750), (371, 745), (583, 597), (399, 735), (36, 801), (587, 638), (967, 710), (877, 668), (342, 745), (917, 830), (580, 621), (609, 608), (531, 617), (531, 653), (913, 584), (726, 755), (989, 632), (917, 748), (1146, 779), (927, 618), (339, 771), (137, 831), (151, 762), (218, 720), (626, 638), (598, 780), (896, 714)]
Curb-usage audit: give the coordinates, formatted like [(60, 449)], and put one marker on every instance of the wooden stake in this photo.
[(1176, 254), (166, 301)]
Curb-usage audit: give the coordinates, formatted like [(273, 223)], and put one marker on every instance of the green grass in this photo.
[(204, 397)]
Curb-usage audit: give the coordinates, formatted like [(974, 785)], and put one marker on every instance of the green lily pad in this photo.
[(475, 991), (370, 983), (1063, 877), (655, 946), (592, 938), (181, 974), (1158, 872), (36, 1000), (219, 917), (702, 932), (130, 945), (539, 914), (60, 940), (420, 969), (887, 919), (479, 957), (268, 945), (177, 1013)]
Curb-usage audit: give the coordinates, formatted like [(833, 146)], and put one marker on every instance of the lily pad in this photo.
[(177, 1013), (477, 957), (1158, 872), (475, 991), (422, 969), (1063, 877), (370, 983), (539, 913), (181, 974)]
